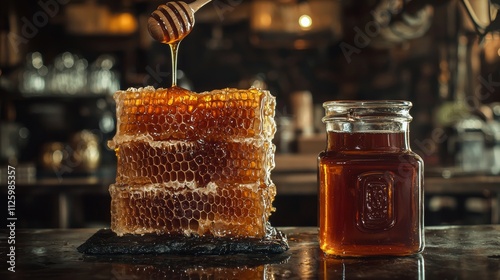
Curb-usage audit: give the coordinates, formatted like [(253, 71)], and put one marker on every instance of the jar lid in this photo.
[(367, 110)]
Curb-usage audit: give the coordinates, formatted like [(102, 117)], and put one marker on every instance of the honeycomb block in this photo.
[(218, 210), (178, 114), (194, 163)]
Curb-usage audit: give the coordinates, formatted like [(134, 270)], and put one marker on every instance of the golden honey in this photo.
[(197, 162), (229, 210), (179, 114), (193, 164), (370, 181)]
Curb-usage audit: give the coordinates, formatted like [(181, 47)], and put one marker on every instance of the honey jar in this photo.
[(370, 181)]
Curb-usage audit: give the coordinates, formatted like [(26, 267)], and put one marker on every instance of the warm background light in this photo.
[(305, 22)]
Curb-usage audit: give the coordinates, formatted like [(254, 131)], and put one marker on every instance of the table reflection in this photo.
[(124, 271), (240, 266), (372, 268)]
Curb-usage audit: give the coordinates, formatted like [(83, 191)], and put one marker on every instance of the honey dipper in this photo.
[(170, 23), (173, 21)]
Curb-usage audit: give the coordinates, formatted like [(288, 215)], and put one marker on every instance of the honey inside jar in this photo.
[(370, 190)]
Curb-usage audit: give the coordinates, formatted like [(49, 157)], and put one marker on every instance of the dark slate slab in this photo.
[(106, 242)]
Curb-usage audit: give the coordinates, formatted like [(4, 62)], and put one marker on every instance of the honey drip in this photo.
[(174, 49), (172, 22), (188, 163)]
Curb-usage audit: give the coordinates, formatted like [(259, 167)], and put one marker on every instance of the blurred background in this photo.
[(61, 61)]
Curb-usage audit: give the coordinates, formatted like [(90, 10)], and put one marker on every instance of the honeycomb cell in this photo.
[(193, 164), (163, 162), (179, 114), (176, 212)]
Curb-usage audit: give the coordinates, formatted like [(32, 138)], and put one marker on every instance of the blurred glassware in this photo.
[(494, 126), (85, 150), (469, 144), (80, 153), (13, 138), (107, 117), (68, 75), (102, 78), (33, 76), (53, 156), (285, 134), (302, 108)]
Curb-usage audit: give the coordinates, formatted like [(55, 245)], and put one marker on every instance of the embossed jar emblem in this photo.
[(375, 191)]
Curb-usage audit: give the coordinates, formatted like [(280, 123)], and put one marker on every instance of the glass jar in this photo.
[(370, 182)]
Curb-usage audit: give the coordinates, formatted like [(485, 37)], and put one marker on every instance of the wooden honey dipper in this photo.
[(170, 23)]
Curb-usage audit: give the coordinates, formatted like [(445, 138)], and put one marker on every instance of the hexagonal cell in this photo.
[(193, 164), (179, 114), (173, 208), (162, 162)]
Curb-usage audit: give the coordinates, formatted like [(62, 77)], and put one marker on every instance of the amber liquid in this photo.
[(174, 49), (370, 196)]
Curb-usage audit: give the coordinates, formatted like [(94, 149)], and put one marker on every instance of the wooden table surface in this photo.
[(454, 252)]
